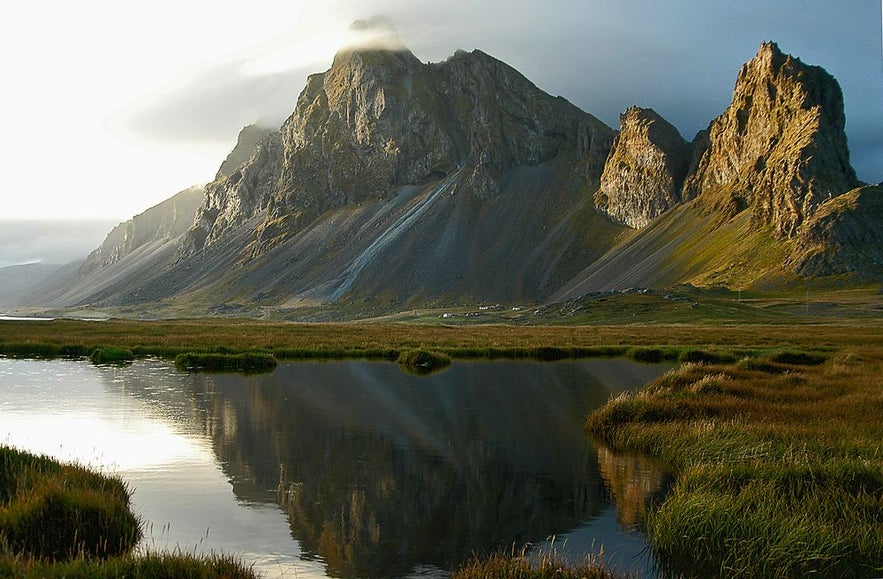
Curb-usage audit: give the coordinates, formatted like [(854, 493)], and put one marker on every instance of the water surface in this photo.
[(344, 469)]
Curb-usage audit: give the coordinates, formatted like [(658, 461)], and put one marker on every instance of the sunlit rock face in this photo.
[(645, 170), (780, 147)]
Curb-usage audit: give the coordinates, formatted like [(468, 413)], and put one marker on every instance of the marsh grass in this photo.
[(386, 340), (249, 362), (778, 460), (62, 520), (148, 566), (423, 361), (111, 356), (53, 511), (548, 565)]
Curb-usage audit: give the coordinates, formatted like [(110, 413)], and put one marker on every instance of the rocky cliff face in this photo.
[(780, 148), (166, 221), (379, 120), (645, 170), (245, 192), (248, 139)]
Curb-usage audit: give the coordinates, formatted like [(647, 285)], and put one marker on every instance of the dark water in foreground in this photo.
[(348, 469)]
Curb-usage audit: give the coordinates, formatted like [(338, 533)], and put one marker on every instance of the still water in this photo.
[(348, 469)]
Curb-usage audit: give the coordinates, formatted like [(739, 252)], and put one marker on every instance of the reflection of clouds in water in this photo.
[(76, 412)]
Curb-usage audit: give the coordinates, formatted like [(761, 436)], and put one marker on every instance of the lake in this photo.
[(348, 469)]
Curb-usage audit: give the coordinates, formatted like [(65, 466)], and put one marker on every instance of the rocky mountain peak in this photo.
[(379, 119), (780, 147), (646, 168), (248, 139)]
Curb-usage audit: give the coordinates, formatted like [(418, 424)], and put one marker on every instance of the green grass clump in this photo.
[(545, 566), (64, 521), (246, 362), (777, 463), (111, 356), (53, 511), (423, 361)]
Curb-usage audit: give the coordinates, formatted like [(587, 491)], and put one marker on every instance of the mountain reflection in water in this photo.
[(381, 473)]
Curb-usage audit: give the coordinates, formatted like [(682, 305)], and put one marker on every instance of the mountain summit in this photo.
[(379, 120), (398, 183), (780, 147)]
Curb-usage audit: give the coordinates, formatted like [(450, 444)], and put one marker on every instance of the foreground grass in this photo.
[(519, 566), (150, 566), (778, 460), (60, 520)]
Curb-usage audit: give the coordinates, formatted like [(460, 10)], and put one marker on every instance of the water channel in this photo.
[(348, 469)]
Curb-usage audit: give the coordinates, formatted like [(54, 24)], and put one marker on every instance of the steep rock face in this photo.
[(244, 193), (248, 139), (843, 237), (646, 168), (165, 221), (380, 120), (780, 148)]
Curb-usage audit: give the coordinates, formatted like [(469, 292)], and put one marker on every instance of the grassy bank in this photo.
[(289, 341), (59, 520), (778, 461)]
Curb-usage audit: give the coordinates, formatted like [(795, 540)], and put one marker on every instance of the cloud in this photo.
[(51, 242), (680, 58)]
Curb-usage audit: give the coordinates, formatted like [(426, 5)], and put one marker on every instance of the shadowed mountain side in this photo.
[(136, 250), (427, 243), (843, 238)]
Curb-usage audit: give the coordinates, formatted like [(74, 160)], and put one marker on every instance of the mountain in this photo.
[(760, 205), (780, 148), (133, 249), (397, 183), (16, 281)]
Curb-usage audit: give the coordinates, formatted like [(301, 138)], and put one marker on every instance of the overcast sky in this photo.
[(111, 107)]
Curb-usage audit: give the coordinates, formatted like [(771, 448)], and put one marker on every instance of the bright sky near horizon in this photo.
[(109, 108)]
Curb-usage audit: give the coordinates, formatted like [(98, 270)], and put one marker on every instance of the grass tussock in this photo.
[(545, 566), (778, 460), (111, 356), (423, 361), (59, 520), (53, 511), (250, 363)]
